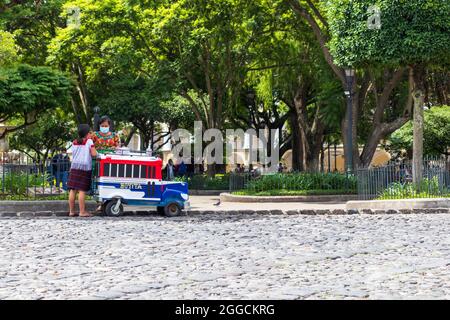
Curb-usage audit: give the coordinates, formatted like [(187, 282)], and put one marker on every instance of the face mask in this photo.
[(104, 129)]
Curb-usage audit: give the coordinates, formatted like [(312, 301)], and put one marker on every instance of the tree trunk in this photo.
[(76, 111), (418, 96), (418, 136), (78, 71), (370, 148), (356, 106), (313, 149), (130, 136), (311, 131), (297, 148), (313, 162)]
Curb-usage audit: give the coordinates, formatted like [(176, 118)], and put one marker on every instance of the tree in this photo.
[(414, 34), (331, 23), (51, 132), (8, 49), (436, 134), (261, 109), (143, 103), (200, 47), (288, 68), (6, 5), (35, 25), (26, 92)]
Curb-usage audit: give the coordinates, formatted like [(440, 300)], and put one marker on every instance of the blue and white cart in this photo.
[(135, 179)]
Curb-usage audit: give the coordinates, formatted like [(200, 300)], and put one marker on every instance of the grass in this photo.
[(284, 192), (428, 188)]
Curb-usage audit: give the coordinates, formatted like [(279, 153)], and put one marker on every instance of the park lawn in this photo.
[(285, 192)]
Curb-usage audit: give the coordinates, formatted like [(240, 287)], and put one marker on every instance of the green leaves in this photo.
[(52, 130), (8, 49), (25, 89), (436, 133), (413, 31)]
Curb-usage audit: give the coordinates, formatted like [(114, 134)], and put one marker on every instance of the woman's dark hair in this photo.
[(83, 131), (105, 119)]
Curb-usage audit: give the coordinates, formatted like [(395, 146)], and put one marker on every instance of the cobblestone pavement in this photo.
[(232, 257)]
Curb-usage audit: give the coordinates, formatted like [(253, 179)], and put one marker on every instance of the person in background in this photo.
[(60, 168), (80, 174), (239, 168), (105, 140), (182, 169), (280, 167), (170, 170)]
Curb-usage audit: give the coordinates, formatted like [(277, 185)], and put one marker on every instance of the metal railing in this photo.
[(203, 182), (395, 181), (28, 179)]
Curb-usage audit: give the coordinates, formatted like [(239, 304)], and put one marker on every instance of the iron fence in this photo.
[(26, 179), (220, 182), (395, 180)]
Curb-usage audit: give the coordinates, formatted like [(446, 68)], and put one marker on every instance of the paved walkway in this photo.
[(207, 203), (233, 257)]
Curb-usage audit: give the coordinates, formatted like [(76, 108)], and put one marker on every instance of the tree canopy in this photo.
[(411, 32), (52, 131), (8, 49), (27, 91), (436, 134), (155, 66)]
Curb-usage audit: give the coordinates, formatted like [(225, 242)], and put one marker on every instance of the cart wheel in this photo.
[(172, 209), (113, 210), (160, 210)]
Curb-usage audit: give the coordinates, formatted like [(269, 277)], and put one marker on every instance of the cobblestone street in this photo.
[(226, 257)]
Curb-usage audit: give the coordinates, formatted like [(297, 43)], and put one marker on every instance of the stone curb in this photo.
[(231, 213), (401, 204), (228, 197), (194, 192), (40, 206)]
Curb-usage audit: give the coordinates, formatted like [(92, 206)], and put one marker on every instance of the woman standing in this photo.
[(105, 140), (81, 170)]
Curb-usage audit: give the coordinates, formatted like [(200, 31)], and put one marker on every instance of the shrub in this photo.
[(203, 182), (428, 188), (283, 192), (16, 183), (303, 181)]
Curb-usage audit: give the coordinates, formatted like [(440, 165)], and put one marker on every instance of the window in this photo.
[(106, 168), (151, 171), (129, 170), (113, 170), (143, 172), (121, 171), (136, 171)]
